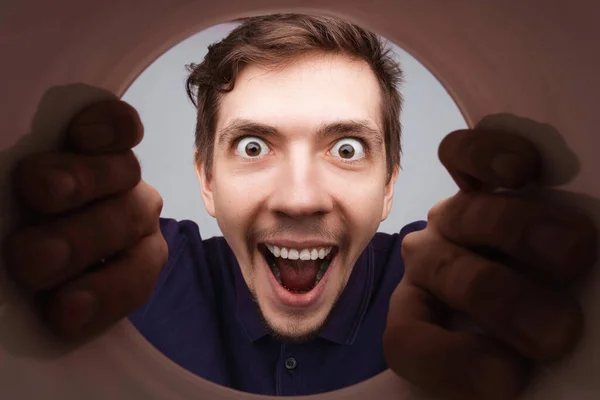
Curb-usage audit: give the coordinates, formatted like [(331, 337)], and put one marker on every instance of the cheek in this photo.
[(361, 196), (237, 198)]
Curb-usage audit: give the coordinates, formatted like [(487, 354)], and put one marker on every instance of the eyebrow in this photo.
[(358, 128)]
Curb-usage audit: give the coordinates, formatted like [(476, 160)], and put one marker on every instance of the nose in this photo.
[(301, 189)]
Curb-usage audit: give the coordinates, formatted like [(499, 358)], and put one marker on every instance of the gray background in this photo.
[(166, 153)]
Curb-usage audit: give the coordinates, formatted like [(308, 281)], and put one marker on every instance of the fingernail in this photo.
[(547, 325), (552, 242), (79, 307), (96, 136), (61, 182), (507, 165)]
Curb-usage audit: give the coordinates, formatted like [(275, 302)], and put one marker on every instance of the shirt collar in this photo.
[(345, 319)]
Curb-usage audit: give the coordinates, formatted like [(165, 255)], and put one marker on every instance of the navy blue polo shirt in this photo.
[(202, 316)]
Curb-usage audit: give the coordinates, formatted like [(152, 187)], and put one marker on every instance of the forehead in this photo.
[(307, 92)]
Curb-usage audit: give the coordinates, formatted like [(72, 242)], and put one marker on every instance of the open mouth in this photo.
[(298, 270)]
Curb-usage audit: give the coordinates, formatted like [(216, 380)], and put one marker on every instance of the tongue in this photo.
[(298, 275)]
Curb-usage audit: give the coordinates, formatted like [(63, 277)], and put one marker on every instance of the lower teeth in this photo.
[(322, 268), (321, 271)]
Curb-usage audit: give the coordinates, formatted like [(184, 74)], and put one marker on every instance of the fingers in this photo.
[(107, 126), (457, 365), (91, 205), (44, 255), (482, 160), (98, 299), (540, 323), (53, 183), (558, 243)]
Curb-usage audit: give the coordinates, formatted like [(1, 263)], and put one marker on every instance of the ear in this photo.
[(388, 195), (205, 188)]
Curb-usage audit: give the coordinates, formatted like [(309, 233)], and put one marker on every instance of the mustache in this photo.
[(314, 229)]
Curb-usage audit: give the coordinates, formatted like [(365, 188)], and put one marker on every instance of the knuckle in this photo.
[(445, 262), (84, 182), (449, 214), (157, 202), (159, 205), (429, 260), (507, 218), (163, 252), (136, 211), (435, 211), (411, 244), (153, 200), (133, 166), (122, 170), (103, 175), (478, 287)]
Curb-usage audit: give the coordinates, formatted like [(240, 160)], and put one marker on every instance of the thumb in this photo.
[(486, 160), (105, 127)]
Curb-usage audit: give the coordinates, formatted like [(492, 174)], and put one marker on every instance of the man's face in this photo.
[(299, 183)]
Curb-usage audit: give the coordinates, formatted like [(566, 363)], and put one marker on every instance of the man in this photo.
[(298, 149)]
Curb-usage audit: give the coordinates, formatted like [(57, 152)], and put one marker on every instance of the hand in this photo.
[(500, 259), (88, 204)]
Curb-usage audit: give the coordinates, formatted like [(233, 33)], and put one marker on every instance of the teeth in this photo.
[(321, 271), (319, 276), (302, 254), (293, 254), (305, 254), (276, 273), (314, 254)]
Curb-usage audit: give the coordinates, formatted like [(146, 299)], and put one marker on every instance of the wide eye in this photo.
[(252, 147), (348, 149)]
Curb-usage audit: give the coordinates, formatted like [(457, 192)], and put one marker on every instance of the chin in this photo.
[(294, 329)]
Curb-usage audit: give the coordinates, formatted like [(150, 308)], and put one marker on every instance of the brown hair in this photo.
[(279, 38)]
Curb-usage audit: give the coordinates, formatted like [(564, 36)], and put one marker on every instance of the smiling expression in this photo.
[(299, 183)]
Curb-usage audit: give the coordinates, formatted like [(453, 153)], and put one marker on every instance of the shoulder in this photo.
[(190, 275), (385, 242), (185, 234)]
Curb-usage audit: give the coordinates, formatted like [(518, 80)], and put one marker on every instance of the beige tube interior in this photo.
[(502, 61)]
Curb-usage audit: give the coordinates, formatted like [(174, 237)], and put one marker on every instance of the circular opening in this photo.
[(493, 57), (167, 158)]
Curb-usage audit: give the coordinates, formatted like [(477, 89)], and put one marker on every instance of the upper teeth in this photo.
[(302, 254)]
